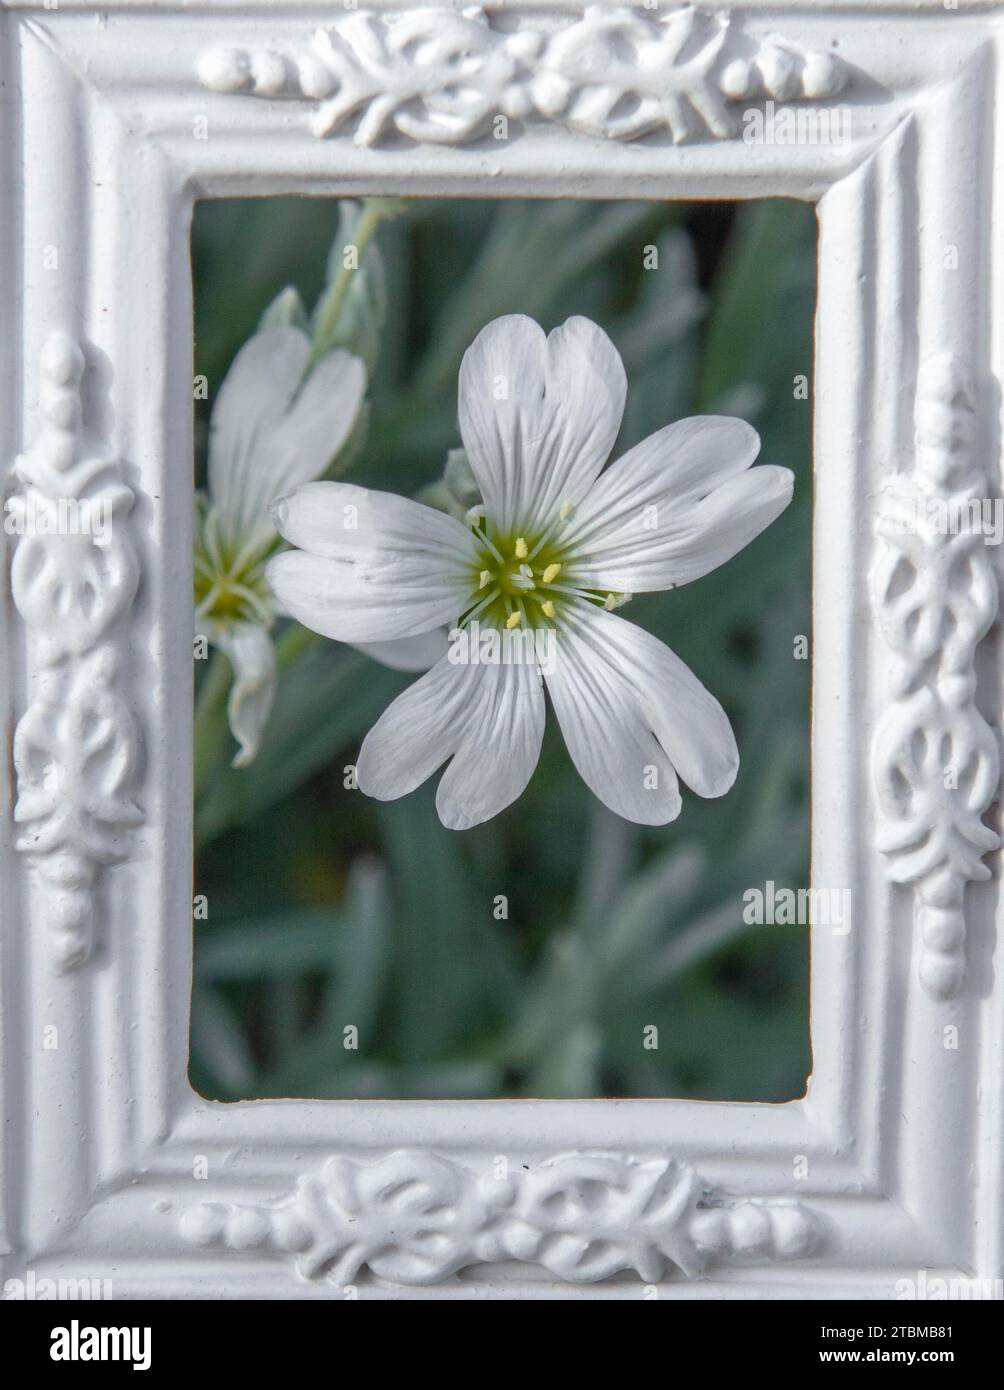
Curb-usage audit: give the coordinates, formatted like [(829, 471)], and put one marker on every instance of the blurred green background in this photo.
[(328, 910)]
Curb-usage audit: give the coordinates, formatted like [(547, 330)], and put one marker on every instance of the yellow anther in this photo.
[(565, 510), (514, 620), (548, 608), (522, 549), (551, 574), (610, 603), (484, 579)]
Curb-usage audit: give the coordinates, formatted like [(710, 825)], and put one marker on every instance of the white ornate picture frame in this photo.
[(892, 1163)]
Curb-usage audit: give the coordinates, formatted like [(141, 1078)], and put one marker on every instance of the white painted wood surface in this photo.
[(900, 1136)]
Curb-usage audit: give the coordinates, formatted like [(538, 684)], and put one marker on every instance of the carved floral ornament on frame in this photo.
[(441, 76), (532, 553)]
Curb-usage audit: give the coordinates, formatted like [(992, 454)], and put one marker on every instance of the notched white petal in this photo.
[(499, 750), (635, 717), (675, 507), (364, 600), (343, 521), (685, 717), (488, 719), (538, 415), (271, 428)]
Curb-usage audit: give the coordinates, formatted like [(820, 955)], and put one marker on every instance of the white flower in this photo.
[(559, 543), (270, 430)]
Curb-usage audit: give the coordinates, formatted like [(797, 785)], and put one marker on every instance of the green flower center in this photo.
[(230, 582), (522, 580)]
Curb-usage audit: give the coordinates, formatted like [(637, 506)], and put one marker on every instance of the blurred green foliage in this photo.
[(327, 910)]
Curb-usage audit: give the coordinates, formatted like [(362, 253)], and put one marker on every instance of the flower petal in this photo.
[(343, 521), (685, 717), (376, 567), (633, 716), (251, 653), (538, 415), (676, 506), (363, 602), (266, 434), (488, 719), (499, 750), (417, 653)]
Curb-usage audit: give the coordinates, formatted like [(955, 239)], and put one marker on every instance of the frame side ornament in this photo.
[(936, 762), (73, 577)]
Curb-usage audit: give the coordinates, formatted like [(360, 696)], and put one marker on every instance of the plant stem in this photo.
[(210, 708), (210, 718), (293, 642), (331, 305)]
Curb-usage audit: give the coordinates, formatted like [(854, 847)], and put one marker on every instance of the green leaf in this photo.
[(284, 943), (659, 894), (221, 1054), (453, 970), (355, 986), (659, 340), (569, 1066), (758, 321), (566, 239), (325, 703)]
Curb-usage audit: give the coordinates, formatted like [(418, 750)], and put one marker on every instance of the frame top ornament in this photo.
[(433, 75)]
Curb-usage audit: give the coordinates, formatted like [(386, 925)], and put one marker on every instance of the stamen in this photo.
[(475, 514), (212, 541), (260, 606), (551, 573), (613, 601), (494, 549), (513, 620), (208, 602), (255, 550), (484, 578), (545, 603), (522, 550), (576, 593), (480, 608)]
